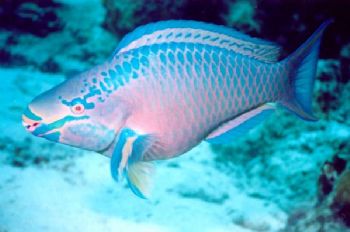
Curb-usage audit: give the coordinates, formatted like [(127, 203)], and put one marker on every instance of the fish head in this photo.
[(75, 114)]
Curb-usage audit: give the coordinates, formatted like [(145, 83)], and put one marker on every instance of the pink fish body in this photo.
[(169, 86)]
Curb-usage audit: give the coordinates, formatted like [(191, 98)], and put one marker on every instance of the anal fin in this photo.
[(240, 125)]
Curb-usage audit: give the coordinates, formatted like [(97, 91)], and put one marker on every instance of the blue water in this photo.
[(284, 175)]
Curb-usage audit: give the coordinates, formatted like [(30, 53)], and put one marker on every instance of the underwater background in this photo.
[(285, 175)]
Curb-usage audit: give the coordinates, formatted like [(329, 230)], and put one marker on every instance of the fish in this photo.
[(167, 87)]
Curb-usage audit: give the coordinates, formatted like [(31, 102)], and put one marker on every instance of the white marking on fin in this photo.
[(218, 135), (126, 152)]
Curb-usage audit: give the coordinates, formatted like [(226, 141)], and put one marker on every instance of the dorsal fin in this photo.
[(187, 31)]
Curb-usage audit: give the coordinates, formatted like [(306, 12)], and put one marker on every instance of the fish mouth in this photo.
[(48, 130), (29, 124), (40, 129), (33, 124)]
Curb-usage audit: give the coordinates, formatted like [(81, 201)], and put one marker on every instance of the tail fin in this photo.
[(302, 65)]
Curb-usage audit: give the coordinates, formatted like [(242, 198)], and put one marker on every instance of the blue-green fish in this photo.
[(170, 85)]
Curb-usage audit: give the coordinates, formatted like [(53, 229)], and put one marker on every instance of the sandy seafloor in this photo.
[(255, 185)]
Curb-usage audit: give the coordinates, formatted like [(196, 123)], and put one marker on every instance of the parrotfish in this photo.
[(169, 86)]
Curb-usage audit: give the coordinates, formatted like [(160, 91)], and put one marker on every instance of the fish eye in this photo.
[(78, 109)]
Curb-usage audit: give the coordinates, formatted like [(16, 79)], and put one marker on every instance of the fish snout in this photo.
[(29, 125)]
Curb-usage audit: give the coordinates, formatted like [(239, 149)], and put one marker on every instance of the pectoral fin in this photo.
[(139, 178), (126, 161)]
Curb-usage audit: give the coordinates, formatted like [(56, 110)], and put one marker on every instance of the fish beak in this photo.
[(29, 124)]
